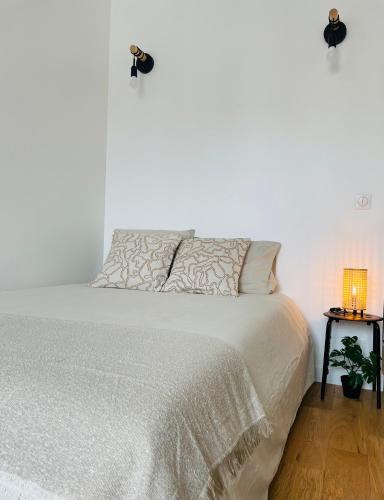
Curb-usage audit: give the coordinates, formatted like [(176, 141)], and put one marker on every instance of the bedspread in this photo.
[(98, 411)]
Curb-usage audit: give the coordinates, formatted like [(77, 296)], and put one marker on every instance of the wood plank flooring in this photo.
[(335, 450)]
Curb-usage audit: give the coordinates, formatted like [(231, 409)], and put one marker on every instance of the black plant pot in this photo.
[(349, 391)]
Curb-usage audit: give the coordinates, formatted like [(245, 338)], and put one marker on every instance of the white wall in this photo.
[(53, 108), (244, 129)]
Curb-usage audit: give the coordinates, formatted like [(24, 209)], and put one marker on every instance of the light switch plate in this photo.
[(363, 201)]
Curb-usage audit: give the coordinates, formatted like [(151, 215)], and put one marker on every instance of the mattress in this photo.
[(269, 332)]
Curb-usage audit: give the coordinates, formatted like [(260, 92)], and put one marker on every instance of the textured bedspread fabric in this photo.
[(268, 331), (100, 411)]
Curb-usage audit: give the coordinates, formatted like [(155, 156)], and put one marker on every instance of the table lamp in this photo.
[(355, 290)]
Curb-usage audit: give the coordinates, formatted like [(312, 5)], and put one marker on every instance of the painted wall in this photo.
[(245, 128), (53, 109)]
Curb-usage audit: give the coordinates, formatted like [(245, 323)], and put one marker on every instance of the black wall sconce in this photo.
[(141, 61), (336, 31)]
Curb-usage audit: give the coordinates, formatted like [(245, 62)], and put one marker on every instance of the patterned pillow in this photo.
[(138, 261), (184, 235), (210, 266)]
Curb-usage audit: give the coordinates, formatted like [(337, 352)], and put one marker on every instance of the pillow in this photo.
[(257, 273), (209, 266), (138, 261), (184, 235)]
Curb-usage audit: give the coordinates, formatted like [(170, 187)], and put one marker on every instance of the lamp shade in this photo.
[(355, 289)]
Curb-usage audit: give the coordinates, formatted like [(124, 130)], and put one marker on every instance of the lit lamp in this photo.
[(355, 290)]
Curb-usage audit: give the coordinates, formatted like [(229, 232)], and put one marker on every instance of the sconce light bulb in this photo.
[(133, 82), (331, 52)]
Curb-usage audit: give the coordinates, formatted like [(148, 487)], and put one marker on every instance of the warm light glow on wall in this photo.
[(355, 289)]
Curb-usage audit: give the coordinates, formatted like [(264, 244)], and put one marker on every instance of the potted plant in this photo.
[(357, 366)]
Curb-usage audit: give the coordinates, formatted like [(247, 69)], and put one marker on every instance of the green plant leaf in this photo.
[(349, 341), (358, 380), (338, 364), (336, 352), (355, 380), (351, 379)]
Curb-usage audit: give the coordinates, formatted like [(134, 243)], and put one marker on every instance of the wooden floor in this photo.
[(335, 450)]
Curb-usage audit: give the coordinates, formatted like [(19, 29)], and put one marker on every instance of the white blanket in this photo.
[(269, 331), (96, 411)]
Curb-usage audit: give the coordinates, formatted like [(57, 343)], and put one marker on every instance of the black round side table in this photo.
[(369, 319)]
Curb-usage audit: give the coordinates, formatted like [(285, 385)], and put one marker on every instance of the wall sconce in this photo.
[(336, 31), (141, 61), (355, 290)]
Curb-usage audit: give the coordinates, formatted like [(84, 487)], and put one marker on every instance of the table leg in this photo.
[(327, 346), (374, 350), (376, 334)]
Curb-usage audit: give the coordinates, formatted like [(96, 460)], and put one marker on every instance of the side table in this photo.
[(369, 319)]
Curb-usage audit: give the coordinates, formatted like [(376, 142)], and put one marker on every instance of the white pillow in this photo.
[(209, 266), (257, 274), (138, 261)]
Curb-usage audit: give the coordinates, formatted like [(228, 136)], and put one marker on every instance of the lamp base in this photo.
[(353, 312), (361, 312)]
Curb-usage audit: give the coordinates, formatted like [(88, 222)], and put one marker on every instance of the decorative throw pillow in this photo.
[(257, 274), (138, 261), (209, 266), (184, 235)]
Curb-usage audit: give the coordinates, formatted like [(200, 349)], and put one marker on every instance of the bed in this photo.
[(267, 331)]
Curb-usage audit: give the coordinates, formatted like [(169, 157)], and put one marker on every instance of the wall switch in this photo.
[(363, 201)]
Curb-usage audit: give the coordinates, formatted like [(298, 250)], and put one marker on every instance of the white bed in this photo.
[(268, 330)]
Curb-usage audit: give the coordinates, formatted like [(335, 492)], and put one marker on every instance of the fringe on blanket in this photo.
[(226, 471), (14, 488)]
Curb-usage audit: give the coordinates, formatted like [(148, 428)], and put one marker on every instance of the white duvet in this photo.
[(266, 335)]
